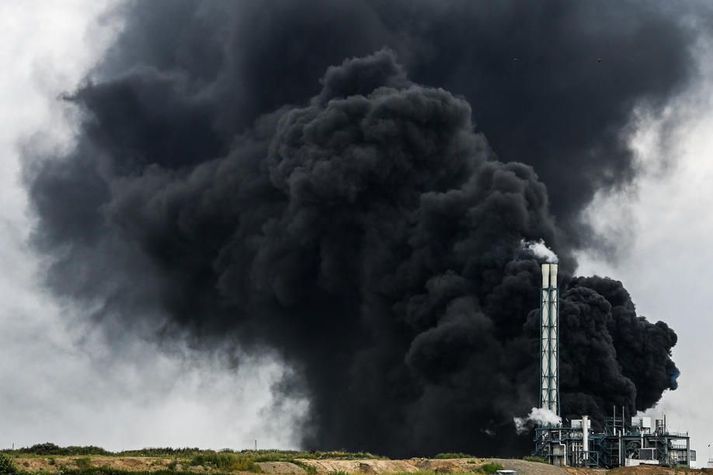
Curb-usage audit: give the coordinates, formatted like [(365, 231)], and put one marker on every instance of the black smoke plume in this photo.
[(305, 178)]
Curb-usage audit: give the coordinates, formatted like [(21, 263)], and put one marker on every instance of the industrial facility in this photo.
[(627, 439)]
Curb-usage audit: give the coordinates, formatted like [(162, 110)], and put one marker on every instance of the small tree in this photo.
[(6, 466)]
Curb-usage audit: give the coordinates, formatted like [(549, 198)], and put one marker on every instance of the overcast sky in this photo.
[(60, 383), (665, 228)]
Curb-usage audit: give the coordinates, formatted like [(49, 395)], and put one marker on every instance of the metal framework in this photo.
[(549, 340), (621, 444)]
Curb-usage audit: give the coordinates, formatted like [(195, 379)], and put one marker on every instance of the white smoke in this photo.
[(538, 415), (540, 250)]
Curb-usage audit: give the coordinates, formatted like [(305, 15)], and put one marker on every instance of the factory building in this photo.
[(625, 440)]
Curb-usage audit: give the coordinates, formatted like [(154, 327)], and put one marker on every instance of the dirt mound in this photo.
[(51, 464), (282, 468), (523, 467), (460, 465), (448, 465), (361, 466)]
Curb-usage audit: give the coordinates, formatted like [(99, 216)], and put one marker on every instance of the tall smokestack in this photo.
[(549, 341)]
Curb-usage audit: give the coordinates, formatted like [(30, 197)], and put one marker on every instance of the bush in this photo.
[(6, 466), (491, 468), (48, 448)]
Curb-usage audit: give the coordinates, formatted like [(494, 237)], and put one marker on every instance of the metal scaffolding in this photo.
[(549, 340)]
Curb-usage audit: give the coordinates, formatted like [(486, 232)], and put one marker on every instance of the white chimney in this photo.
[(585, 437)]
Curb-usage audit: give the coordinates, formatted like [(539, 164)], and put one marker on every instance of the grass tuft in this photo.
[(226, 461)]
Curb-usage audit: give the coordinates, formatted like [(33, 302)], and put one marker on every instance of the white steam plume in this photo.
[(540, 250), (538, 415)]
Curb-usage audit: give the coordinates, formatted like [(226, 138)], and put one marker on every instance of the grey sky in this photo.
[(59, 380), (665, 228), (60, 383)]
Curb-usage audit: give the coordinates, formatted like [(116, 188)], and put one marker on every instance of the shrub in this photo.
[(6, 466), (48, 448), (491, 467)]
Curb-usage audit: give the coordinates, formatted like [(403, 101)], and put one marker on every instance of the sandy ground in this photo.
[(37, 464), (324, 466), (56, 464), (522, 467), (280, 468)]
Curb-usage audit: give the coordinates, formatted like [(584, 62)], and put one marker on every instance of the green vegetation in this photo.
[(291, 455), (490, 468), (83, 463), (6, 466), (226, 461), (49, 448), (209, 456), (533, 458), (160, 452), (112, 471)]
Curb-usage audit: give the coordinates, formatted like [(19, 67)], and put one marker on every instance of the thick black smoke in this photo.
[(353, 221)]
